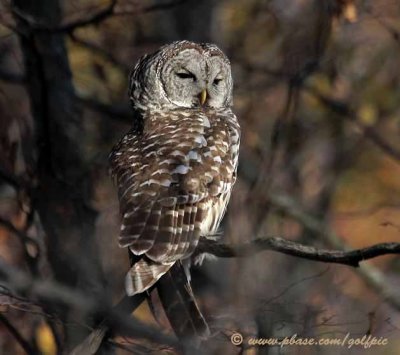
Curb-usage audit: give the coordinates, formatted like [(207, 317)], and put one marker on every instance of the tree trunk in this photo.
[(63, 190)]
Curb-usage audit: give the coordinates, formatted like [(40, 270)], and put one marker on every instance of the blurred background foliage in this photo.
[(317, 93)]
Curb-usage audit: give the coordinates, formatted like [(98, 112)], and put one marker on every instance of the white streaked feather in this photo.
[(181, 169)]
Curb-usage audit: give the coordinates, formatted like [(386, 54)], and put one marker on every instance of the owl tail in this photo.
[(180, 305), (143, 274), (175, 294)]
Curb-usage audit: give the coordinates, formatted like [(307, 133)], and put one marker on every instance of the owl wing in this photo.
[(174, 181)]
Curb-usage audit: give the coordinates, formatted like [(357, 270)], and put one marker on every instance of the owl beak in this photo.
[(203, 97)]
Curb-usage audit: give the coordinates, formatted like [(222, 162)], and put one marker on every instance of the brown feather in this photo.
[(179, 166)]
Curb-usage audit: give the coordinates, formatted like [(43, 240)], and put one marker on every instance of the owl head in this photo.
[(182, 75)]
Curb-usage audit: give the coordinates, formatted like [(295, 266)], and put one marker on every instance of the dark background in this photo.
[(317, 92)]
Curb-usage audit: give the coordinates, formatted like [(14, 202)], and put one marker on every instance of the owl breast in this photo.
[(175, 180)]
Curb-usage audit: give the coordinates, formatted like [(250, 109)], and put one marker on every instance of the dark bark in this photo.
[(62, 194)]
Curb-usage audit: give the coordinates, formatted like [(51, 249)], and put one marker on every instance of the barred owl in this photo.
[(176, 167)]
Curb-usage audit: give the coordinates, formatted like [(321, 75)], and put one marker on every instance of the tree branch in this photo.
[(10, 178), (22, 236), (64, 188), (31, 248), (92, 19), (116, 320), (151, 8), (351, 258), (22, 283), (14, 78), (390, 29), (18, 337), (95, 18), (369, 273), (342, 109), (100, 51), (55, 292)]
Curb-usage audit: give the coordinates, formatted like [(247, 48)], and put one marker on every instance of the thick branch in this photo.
[(10, 77), (52, 291), (351, 258)]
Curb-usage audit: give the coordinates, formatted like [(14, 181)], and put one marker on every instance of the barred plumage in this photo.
[(175, 169)]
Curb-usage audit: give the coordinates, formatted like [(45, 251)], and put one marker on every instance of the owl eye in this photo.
[(217, 81), (186, 75)]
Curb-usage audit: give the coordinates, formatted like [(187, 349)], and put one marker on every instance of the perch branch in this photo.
[(46, 290), (351, 258), (369, 273)]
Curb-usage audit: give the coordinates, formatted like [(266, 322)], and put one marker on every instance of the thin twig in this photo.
[(98, 50), (342, 109), (22, 236), (18, 337), (92, 19), (390, 29), (98, 17), (151, 8)]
